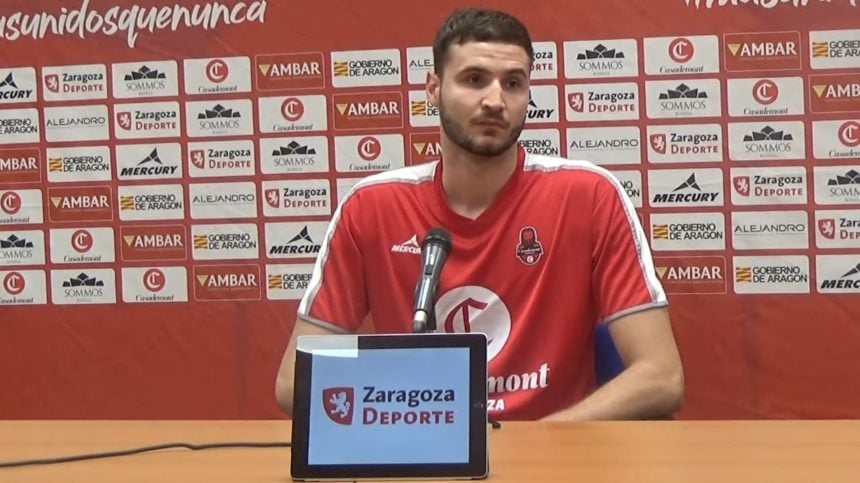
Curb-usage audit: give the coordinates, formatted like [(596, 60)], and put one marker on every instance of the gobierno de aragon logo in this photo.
[(339, 404)]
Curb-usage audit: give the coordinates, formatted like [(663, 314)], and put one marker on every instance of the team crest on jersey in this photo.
[(529, 249)]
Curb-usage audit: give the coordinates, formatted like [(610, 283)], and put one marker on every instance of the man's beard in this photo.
[(460, 137)]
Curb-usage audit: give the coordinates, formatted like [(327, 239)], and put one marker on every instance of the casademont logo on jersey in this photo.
[(151, 120), (682, 187), (20, 207), (149, 161), (221, 158), (19, 126), (219, 242), (293, 114), (294, 155), (294, 240), (835, 185), (771, 274), (368, 153), (761, 51), (605, 145), (424, 147), (601, 58), (79, 164), (775, 140), (366, 68), (774, 96), (371, 110), (421, 112), (80, 203), (595, 102), (834, 93), (765, 230), (288, 282), (689, 98), (226, 282), (90, 286), (139, 80), (834, 49), (697, 54), (297, 197), (222, 118), (17, 85), (692, 275), (838, 273), (289, 71), (74, 82), (838, 229), (22, 248), (541, 141), (688, 231), (82, 245), (153, 242), (545, 62), (685, 143), (23, 287), (836, 139), (151, 202), (20, 165), (762, 186)]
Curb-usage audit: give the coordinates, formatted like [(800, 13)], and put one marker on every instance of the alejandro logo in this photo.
[(529, 249), (339, 404)]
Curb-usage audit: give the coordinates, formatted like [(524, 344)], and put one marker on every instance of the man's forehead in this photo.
[(495, 55)]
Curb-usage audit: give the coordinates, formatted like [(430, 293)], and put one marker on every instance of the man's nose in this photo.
[(494, 97)]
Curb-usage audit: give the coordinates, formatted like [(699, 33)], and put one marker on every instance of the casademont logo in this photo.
[(835, 93), (373, 110), (90, 203), (290, 71), (762, 51), (226, 282)]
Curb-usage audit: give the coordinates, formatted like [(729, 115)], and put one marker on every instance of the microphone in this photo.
[(434, 253)]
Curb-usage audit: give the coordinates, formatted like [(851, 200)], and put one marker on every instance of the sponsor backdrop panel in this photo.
[(165, 188)]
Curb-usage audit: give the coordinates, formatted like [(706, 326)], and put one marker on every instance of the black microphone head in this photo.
[(440, 236)]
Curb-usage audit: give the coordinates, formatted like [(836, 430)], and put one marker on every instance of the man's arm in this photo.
[(287, 371), (651, 385)]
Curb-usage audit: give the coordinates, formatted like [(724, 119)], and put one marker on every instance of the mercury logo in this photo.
[(82, 241), (292, 109), (849, 134), (154, 280), (765, 92), (14, 283), (369, 148), (217, 71), (681, 50), (10, 202)]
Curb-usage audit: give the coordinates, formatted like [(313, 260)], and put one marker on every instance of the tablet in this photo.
[(405, 406)]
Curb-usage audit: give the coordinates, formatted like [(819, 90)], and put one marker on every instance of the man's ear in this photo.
[(432, 88)]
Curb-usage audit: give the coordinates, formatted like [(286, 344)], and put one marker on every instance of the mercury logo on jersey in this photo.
[(757, 51)]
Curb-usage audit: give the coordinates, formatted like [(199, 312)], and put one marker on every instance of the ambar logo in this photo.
[(834, 93), (692, 275), (20, 165), (424, 147), (290, 71), (153, 242), (84, 203), (368, 110), (227, 282), (762, 51)]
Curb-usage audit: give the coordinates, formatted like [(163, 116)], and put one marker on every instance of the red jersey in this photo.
[(558, 251)]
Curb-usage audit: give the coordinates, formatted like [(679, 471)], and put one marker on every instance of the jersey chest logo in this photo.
[(529, 249), (475, 309)]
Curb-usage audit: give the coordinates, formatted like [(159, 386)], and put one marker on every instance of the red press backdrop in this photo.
[(754, 345)]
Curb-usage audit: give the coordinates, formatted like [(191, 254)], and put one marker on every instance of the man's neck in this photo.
[(471, 182)]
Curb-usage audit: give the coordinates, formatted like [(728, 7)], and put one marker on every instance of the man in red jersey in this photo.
[(544, 249)]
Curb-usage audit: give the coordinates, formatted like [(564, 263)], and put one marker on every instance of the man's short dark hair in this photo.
[(479, 25)]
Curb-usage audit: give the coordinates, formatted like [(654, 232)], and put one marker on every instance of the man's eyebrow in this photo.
[(484, 70)]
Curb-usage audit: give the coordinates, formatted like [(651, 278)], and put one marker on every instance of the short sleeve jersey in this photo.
[(559, 250)]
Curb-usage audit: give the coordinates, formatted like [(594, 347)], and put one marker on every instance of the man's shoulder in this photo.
[(394, 182)]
